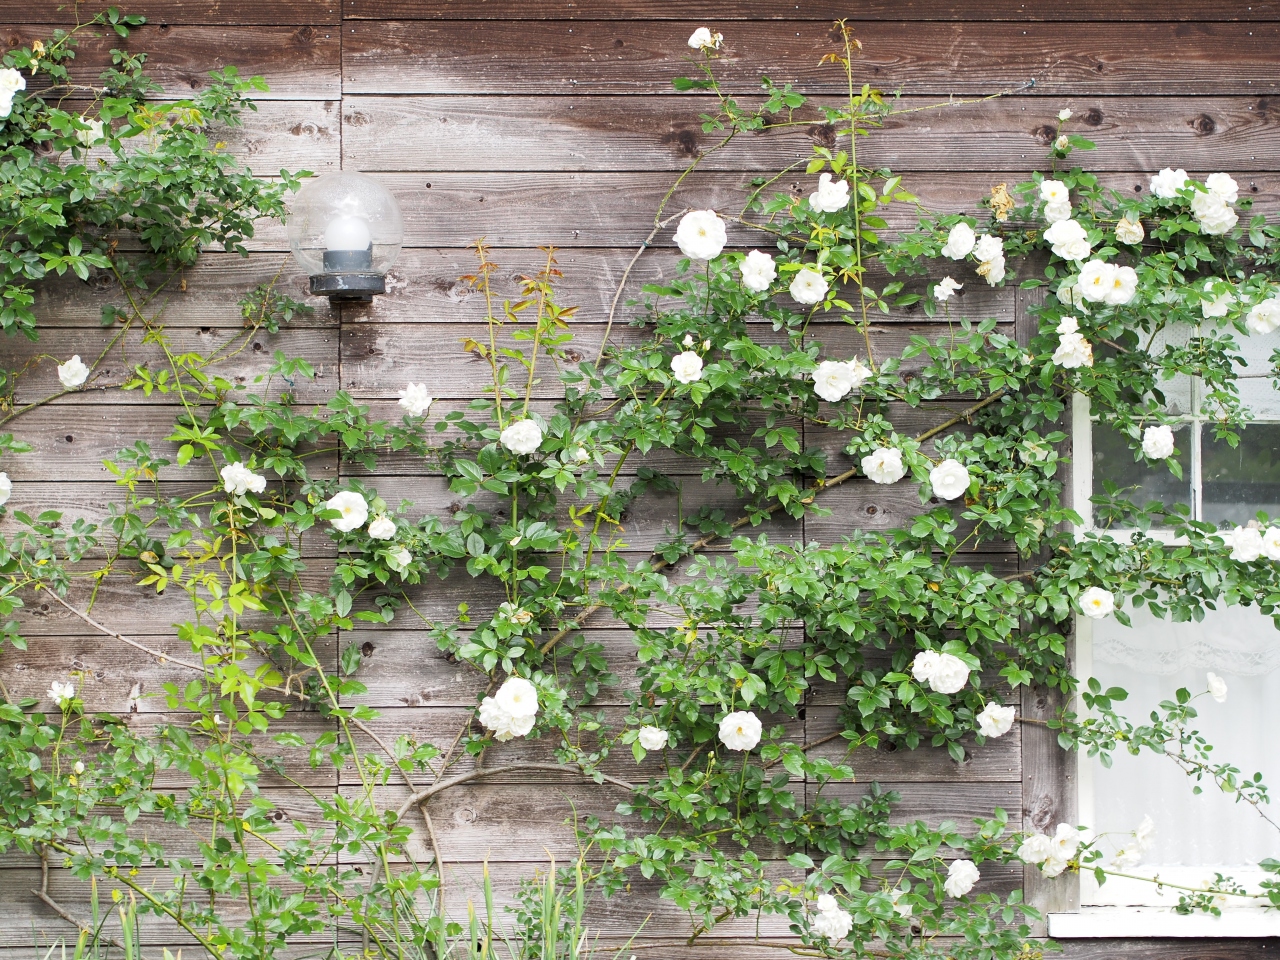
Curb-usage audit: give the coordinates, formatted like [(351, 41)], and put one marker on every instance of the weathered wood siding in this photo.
[(534, 122)]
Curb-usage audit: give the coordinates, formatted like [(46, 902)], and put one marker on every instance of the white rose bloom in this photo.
[(704, 39), (73, 373), (1129, 231), (1096, 603), (1097, 278), (1214, 214), (1124, 284), (884, 466), (62, 693), (995, 720), (1036, 848), (522, 437), (688, 340), (353, 508), (961, 877), (1126, 857), (1263, 317), (925, 665), (91, 136), (701, 235), (1270, 538), (834, 923), (831, 195), (1073, 351), (1068, 240), (6, 488), (949, 675), (686, 367), (382, 528), (79, 767), (1245, 543), (1057, 212), (503, 724), (950, 479), (960, 241), (1168, 182), (1144, 834), (1217, 687), (946, 289), (518, 697), (1070, 295), (1068, 325), (1064, 114), (237, 479), (992, 269), (1223, 187), (1066, 840), (653, 738), (740, 730), (901, 909), (988, 248), (1157, 442), (399, 559), (808, 286), (1054, 191), (1219, 305), (580, 455), (834, 379), (11, 81), (1054, 865), (415, 399), (1062, 142), (758, 271)]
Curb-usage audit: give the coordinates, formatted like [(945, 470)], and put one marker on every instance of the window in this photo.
[(1196, 835)]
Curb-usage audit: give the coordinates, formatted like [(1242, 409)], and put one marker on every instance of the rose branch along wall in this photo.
[(532, 122)]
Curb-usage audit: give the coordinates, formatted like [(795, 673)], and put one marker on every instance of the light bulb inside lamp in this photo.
[(348, 245)]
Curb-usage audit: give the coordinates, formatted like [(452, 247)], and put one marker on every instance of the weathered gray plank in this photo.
[(936, 802), (428, 133), (298, 62), (717, 12), (642, 56)]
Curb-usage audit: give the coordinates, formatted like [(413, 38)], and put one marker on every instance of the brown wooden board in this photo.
[(427, 133), (642, 56), (714, 12), (202, 13)]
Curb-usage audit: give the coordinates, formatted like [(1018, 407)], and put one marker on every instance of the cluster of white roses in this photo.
[(949, 479), (829, 920), (987, 249), (73, 373), (1250, 543), (943, 672), (1073, 350), (1051, 854), (11, 81), (835, 379), (354, 510), (1211, 207), (511, 711)]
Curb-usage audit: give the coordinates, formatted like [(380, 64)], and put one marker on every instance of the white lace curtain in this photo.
[(1151, 660)]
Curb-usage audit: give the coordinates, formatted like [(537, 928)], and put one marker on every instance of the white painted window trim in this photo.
[(1096, 921)]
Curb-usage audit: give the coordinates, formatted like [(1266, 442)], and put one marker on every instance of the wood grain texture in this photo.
[(717, 12), (203, 13), (614, 133), (299, 62), (641, 56)]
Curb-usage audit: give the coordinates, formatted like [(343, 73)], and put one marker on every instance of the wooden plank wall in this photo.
[(534, 122)]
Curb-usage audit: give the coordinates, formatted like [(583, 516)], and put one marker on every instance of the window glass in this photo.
[(1240, 481), (1139, 481)]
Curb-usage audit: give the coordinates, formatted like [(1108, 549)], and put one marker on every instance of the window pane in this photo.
[(1239, 482), (1256, 388), (1138, 482), (1195, 834)]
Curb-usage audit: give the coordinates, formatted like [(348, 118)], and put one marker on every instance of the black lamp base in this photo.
[(348, 287)]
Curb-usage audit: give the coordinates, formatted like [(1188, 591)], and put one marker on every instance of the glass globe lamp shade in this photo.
[(346, 230)]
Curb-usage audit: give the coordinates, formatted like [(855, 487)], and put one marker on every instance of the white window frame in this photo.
[(1092, 920)]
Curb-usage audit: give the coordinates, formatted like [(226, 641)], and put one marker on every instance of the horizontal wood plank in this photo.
[(203, 13), (299, 62), (616, 133), (642, 56)]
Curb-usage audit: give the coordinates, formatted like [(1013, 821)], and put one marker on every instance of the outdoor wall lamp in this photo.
[(345, 229)]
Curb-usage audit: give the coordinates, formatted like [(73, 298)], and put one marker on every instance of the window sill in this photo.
[(1161, 922)]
